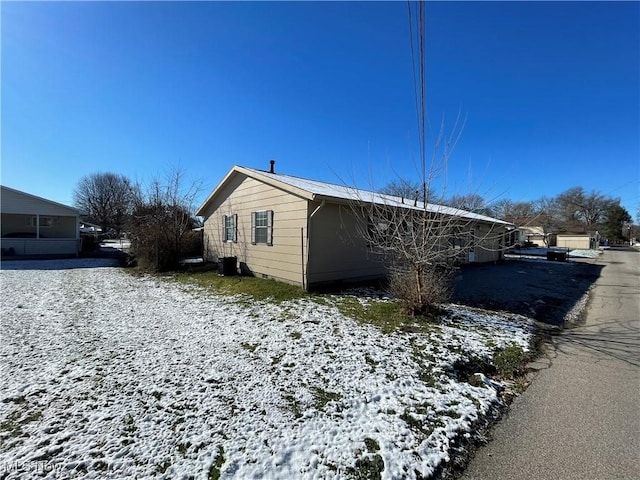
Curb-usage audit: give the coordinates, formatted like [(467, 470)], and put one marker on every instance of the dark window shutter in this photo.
[(270, 227), (224, 228), (235, 228), (253, 228)]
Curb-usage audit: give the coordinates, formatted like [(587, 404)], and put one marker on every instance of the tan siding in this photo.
[(336, 250), (581, 242), (490, 243), (284, 259), (338, 254)]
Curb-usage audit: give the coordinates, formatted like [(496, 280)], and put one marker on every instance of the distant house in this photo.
[(530, 230), (303, 231), (32, 225), (532, 234), (89, 228)]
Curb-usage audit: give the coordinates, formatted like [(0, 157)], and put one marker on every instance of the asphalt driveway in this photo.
[(544, 290), (580, 418)]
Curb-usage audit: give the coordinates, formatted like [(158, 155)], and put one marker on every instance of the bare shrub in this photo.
[(162, 225), (418, 292)]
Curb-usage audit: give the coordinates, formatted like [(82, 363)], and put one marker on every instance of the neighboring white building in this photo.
[(32, 225)]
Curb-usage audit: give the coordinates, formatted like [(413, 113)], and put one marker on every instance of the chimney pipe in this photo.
[(272, 163)]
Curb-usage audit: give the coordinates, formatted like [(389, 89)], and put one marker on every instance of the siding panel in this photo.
[(574, 241), (22, 203), (336, 251), (243, 195)]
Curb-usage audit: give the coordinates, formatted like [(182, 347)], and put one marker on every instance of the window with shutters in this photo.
[(262, 227), (230, 231)]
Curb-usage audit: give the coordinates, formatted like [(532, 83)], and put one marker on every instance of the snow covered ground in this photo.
[(108, 375)]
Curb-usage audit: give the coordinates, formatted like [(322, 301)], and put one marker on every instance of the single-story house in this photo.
[(303, 231), (32, 225)]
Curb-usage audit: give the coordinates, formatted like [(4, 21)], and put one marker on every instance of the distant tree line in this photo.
[(158, 220), (574, 210)]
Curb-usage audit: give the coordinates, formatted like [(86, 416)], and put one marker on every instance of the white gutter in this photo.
[(322, 204)]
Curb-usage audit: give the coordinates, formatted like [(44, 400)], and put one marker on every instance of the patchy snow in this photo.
[(585, 253), (120, 244), (540, 253), (108, 375)]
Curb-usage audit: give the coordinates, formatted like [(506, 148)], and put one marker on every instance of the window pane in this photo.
[(261, 219), (229, 227), (261, 227), (261, 234)]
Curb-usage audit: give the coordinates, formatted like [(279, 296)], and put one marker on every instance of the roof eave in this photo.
[(199, 211), (462, 213), (272, 179), (263, 177)]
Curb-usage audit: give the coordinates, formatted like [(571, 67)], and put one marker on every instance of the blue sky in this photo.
[(550, 92)]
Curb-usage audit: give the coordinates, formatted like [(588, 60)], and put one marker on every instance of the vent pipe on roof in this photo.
[(271, 168), (415, 200)]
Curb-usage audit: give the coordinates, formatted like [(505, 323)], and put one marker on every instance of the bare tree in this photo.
[(578, 209), (502, 208), (106, 199), (508, 209), (420, 242), (417, 237), (538, 214), (163, 221), (471, 201), (403, 188), (546, 216)]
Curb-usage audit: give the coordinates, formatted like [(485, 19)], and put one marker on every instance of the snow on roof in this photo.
[(343, 192)]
